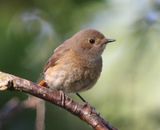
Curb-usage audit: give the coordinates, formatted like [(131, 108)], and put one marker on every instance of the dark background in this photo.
[(127, 93)]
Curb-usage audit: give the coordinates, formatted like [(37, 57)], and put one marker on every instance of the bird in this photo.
[(76, 64)]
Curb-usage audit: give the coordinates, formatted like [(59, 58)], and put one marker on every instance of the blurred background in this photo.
[(128, 91)]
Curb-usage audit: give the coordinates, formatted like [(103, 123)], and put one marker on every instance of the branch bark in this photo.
[(84, 111)]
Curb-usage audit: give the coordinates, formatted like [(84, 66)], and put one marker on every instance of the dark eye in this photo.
[(92, 41)]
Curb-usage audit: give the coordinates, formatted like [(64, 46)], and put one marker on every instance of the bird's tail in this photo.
[(43, 83)]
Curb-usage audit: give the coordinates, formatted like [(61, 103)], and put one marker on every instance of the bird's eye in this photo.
[(92, 41)]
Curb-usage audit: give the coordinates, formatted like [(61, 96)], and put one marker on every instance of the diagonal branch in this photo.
[(84, 111)]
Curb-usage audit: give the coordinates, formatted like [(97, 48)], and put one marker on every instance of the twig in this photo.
[(84, 111), (14, 106), (40, 115)]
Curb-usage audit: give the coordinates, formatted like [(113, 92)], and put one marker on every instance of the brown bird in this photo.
[(76, 64)]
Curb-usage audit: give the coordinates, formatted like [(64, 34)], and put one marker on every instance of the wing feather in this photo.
[(58, 53)]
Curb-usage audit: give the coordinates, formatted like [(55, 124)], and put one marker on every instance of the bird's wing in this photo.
[(58, 52)]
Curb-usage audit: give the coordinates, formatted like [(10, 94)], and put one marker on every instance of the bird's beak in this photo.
[(105, 40), (110, 40)]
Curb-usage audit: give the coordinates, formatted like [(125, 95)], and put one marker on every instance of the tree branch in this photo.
[(84, 111)]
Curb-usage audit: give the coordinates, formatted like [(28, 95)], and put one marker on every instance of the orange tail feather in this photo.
[(43, 83)]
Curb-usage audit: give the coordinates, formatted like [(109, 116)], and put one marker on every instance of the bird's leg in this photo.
[(81, 97), (62, 95), (42, 83)]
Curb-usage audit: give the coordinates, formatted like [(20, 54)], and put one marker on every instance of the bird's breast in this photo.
[(73, 74)]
